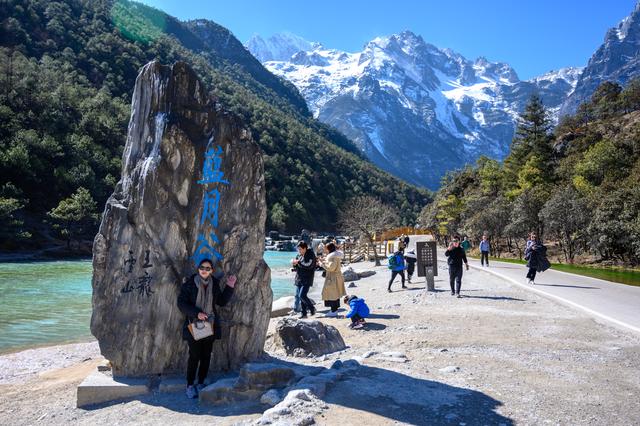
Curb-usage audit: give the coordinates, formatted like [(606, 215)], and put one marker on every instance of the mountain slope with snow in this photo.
[(416, 110), (617, 59)]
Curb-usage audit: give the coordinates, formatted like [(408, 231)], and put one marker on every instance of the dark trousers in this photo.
[(393, 277), (333, 304), (199, 353), (355, 318), (305, 302), (484, 256), (455, 278), (531, 274), (411, 267)]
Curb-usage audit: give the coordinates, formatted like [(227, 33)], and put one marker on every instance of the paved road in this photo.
[(615, 303)]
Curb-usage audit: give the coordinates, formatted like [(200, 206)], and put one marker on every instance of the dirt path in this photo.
[(499, 355)]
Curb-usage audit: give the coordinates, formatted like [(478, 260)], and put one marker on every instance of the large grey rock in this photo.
[(304, 338), (365, 274), (191, 175), (225, 391), (282, 306), (99, 387), (265, 376), (350, 275)]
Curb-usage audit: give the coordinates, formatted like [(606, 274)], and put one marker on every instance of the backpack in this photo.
[(392, 261)]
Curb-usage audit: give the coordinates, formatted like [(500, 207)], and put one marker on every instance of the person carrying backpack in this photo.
[(397, 266)]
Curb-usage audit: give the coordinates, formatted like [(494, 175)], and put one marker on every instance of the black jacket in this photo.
[(187, 304), (537, 259), (306, 268), (456, 256)]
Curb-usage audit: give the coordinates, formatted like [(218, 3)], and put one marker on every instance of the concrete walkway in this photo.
[(618, 304)]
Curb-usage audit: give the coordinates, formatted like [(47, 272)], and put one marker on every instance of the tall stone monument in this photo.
[(192, 187)]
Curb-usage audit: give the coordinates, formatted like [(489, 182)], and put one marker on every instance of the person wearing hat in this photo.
[(411, 259), (358, 311)]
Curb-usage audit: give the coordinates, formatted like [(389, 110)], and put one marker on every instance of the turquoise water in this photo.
[(46, 303)]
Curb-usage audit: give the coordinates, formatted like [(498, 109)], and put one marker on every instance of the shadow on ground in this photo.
[(514, 299), (373, 326), (567, 285), (383, 316), (385, 393)]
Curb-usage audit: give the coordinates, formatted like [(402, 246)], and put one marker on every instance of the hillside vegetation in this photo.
[(68, 69), (578, 185)]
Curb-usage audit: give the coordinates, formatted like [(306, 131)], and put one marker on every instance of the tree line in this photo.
[(67, 71), (576, 184)]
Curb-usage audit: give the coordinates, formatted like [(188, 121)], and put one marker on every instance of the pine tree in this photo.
[(533, 138)]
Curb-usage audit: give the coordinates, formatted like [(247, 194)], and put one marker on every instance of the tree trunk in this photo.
[(375, 253)]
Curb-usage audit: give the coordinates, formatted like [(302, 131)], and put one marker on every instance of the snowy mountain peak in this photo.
[(414, 109), (617, 60), (569, 74), (278, 47)]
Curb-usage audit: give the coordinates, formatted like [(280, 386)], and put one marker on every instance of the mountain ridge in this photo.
[(450, 109)]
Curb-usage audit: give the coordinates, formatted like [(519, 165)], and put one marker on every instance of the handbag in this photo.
[(201, 329)]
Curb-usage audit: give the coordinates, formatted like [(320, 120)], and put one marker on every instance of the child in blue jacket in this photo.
[(359, 311)]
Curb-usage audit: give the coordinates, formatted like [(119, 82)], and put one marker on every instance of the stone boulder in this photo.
[(304, 338), (192, 187), (282, 306), (365, 274), (350, 275)]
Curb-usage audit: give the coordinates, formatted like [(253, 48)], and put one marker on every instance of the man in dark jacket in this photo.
[(198, 298), (305, 266), (455, 256)]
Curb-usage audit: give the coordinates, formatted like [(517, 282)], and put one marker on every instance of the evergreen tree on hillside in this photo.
[(533, 138), (67, 71)]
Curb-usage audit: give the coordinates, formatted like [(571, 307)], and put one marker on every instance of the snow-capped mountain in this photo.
[(278, 47), (617, 59), (416, 110)]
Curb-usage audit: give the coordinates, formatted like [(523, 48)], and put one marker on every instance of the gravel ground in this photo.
[(499, 355)]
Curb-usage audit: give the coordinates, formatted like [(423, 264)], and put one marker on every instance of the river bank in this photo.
[(49, 302), (499, 355)]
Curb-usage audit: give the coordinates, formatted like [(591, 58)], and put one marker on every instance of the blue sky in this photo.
[(533, 36)]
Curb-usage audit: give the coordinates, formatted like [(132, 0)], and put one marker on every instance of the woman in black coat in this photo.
[(198, 298), (535, 254)]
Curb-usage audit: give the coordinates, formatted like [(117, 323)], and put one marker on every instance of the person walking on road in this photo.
[(455, 257), (466, 245), (485, 248), (397, 266), (535, 254), (411, 259)]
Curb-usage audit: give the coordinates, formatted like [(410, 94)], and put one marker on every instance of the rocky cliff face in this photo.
[(192, 186), (617, 59), (417, 111)]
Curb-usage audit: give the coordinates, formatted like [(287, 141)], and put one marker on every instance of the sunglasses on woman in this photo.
[(205, 268)]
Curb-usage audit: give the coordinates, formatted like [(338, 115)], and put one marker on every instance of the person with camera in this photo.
[(455, 256), (304, 266)]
